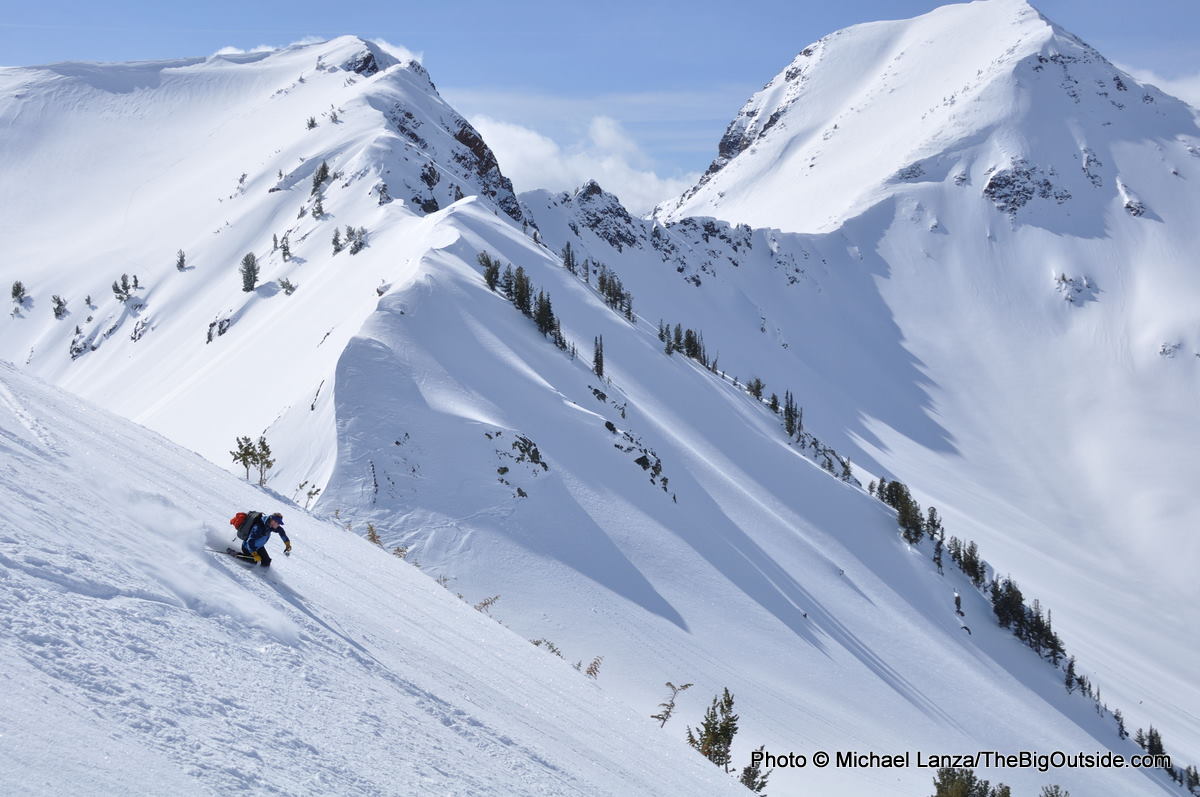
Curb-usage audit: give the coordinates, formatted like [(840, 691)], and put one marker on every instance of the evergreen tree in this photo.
[(522, 296), (491, 269), (285, 248), (1154, 744), (181, 260), (909, 518), (543, 314), (337, 240), (962, 782), (938, 544), (789, 418), (311, 123), (507, 280), (773, 403), (384, 196), (1054, 791), (568, 257), (668, 707), (1069, 678), (123, 289), (1120, 720), (933, 522), (319, 177), (318, 208), (262, 460), (1140, 738), (753, 778), (755, 386), (249, 271), (714, 737), (244, 454), (598, 356), (18, 292), (274, 242), (59, 304)]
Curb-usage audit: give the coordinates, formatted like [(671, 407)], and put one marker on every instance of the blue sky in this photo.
[(636, 91)]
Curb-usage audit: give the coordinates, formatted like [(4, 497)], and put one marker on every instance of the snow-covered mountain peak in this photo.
[(956, 94)]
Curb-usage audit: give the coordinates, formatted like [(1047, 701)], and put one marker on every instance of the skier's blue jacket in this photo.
[(259, 534)]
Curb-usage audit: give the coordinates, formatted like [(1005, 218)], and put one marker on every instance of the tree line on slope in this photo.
[(1027, 622)]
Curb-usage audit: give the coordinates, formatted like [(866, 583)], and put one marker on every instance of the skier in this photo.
[(255, 545)]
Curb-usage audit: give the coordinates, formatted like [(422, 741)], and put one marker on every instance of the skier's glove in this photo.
[(257, 559), (287, 548)]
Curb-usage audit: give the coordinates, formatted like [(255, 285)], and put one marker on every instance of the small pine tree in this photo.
[(287, 286), (755, 386), (714, 737), (753, 778), (384, 196), (18, 292), (491, 269), (543, 314), (249, 272), (1154, 744), (180, 261), (262, 460), (668, 707), (486, 604), (1070, 680), (244, 454), (598, 356), (337, 240), (274, 242), (1119, 718), (568, 258), (285, 248), (593, 669), (59, 305), (1054, 791), (318, 208), (319, 177), (962, 782), (373, 535), (311, 123), (122, 289)]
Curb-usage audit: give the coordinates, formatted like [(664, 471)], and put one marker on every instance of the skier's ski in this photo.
[(236, 554)]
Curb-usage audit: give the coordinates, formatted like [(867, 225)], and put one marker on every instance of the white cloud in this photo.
[(399, 51), (1186, 87), (607, 154)]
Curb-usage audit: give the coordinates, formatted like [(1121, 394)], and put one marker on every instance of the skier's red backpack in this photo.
[(243, 522)]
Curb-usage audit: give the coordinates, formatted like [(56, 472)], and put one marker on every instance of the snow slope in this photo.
[(658, 517), (138, 662)]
